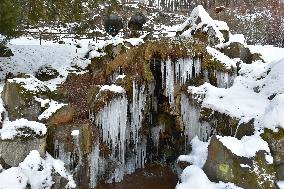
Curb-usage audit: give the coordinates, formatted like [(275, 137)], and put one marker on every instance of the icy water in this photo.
[(152, 177)]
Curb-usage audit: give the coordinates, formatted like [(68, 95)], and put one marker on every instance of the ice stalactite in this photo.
[(112, 120), (153, 101), (137, 109), (156, 132), (169, 81), (93, 158), (224, 79), (178, 72), (69, 158), (192, 126)]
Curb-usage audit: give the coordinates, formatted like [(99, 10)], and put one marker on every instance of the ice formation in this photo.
[(137, 110), (156, 132), (192, 126), (112, 120), (178, 72)]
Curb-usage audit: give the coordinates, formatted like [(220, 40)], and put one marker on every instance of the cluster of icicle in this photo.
[(179, 72), (224, 79), (192, 125), (137, 110), (117, 132)]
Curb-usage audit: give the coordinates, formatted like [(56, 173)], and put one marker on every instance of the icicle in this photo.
[(197, 66), (112, 119), (155, 133), (170, 79), (93, 158), (138, 103), (192, 126), (163, 73)]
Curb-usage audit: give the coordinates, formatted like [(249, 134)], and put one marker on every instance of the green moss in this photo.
[(270, 134)]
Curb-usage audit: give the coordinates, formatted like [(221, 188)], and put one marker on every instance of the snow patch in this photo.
[(194, 177), (12, 129), (199, 153), (246, 147)]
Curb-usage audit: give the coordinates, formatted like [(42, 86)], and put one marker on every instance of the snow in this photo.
[(206, 20), (43, 102), (280, 184), (246, 147), (228, 63), (113, 88), (75, 132), (35, 171), (30, 83), (240, 100), (194, 177), (12, 129), (29, 56), (245, 166), (199, 153), (268, 52), (53, 107), (273, 116), (120, 77)]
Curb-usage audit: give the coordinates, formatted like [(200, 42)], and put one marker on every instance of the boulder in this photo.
[(64, 115), (113, 23), (223, 165), (15, 151), (23, 97), (46, 72), (20, 102), (238, 50), (137, 21)]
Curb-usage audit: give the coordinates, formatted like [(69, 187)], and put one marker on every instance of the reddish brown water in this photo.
[(152, 177)]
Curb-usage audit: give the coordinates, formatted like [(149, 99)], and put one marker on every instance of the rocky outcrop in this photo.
[(20, 102), (14, 151), (223, 165)]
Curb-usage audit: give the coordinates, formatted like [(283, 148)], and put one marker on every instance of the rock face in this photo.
[(16, 150), (113, 23), (223, 165), (137, 21)]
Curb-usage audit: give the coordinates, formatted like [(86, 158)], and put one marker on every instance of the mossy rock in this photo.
[(20, 102), (223, 165), (47, 72), (275, 140)]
